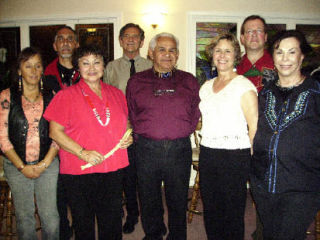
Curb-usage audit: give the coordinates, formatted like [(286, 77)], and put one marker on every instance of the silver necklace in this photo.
[(292, 86)]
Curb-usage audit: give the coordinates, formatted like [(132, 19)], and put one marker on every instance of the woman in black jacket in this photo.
[(30, 164), (285, 175)]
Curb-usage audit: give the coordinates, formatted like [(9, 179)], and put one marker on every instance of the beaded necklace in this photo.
[(95, 112), (68, 82)]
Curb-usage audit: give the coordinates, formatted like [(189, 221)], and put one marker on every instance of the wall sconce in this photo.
[(154, 18)]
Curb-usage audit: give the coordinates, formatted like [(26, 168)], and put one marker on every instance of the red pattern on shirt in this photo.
[(265, 62)]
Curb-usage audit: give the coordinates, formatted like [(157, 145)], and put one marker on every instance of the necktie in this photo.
[(132, 68)]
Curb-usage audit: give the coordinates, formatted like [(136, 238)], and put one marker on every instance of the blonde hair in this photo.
[(229, 37)]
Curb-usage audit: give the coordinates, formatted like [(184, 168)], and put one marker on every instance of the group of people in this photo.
[(260, 119)]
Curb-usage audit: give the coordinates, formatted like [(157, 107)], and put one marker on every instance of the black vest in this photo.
[(18, 126)]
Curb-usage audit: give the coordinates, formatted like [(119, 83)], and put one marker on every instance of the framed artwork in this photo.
[(272, 30), (9, 50), (99, 34), (42, 37), (312, 33), (203, 26), (205, 32)]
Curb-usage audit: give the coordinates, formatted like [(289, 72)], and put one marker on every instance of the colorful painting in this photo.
[(272, 30), (204, 33), (98, 34), (312, 33)]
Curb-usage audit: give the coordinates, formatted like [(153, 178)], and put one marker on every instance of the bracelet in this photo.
[(80, 153), (44, 164), (21, 168)]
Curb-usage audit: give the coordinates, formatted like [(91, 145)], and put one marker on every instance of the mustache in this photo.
[(66, 48)]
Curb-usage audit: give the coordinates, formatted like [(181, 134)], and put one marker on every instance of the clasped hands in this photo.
[(93, 157), (34, 171)]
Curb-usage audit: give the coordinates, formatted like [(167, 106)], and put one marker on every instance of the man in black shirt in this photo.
[(65, 42), (60, 74)]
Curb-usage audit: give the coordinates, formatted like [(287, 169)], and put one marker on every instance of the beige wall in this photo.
[(175, 21)]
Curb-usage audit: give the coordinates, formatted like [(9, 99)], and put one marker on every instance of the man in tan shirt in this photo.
[(117, 73)]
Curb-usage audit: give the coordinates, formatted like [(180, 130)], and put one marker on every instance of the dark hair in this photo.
[(86, 50), (65, 27), (24, 56), (131, 25), (304, 46), (253, 17), (229, 37)]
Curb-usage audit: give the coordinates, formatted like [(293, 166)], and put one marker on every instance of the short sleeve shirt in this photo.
[(223, 123), (71, 109)]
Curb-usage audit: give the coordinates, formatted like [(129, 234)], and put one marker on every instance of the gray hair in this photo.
[(153, 41), (65, 27)]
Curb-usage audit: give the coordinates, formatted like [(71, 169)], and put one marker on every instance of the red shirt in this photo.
[(254, 71), (52, 69), (70, 109)]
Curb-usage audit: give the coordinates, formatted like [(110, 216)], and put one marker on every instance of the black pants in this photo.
[(223, 177), (130, 185), (287, 215), (170, 162), (95, 195), (62, 204)]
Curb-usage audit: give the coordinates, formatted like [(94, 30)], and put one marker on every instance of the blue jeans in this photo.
[(24, 191), (168, 161)]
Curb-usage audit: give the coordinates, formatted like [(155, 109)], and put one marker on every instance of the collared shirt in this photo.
[(254, 72), (70, 109), (117, 72), (163, 108), (287, 145)]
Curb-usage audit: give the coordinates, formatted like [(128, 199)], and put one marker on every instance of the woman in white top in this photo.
[(229, 121)]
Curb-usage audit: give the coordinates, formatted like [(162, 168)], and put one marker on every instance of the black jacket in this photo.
[(287, 142), (18, 126)]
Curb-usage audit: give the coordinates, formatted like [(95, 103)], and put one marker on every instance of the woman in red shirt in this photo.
[(87, 120)]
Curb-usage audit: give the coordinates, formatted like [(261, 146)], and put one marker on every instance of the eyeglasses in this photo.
[(250, 32), (69, 39), (134, 37)]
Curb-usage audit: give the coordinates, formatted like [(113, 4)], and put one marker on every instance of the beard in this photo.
[(67, 55)]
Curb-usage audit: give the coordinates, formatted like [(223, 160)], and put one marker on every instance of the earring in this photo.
[(20, 83), (41, 83)]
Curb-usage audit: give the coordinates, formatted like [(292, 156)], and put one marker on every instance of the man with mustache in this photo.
[(65, 42), (163, 110), (60, 74)]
